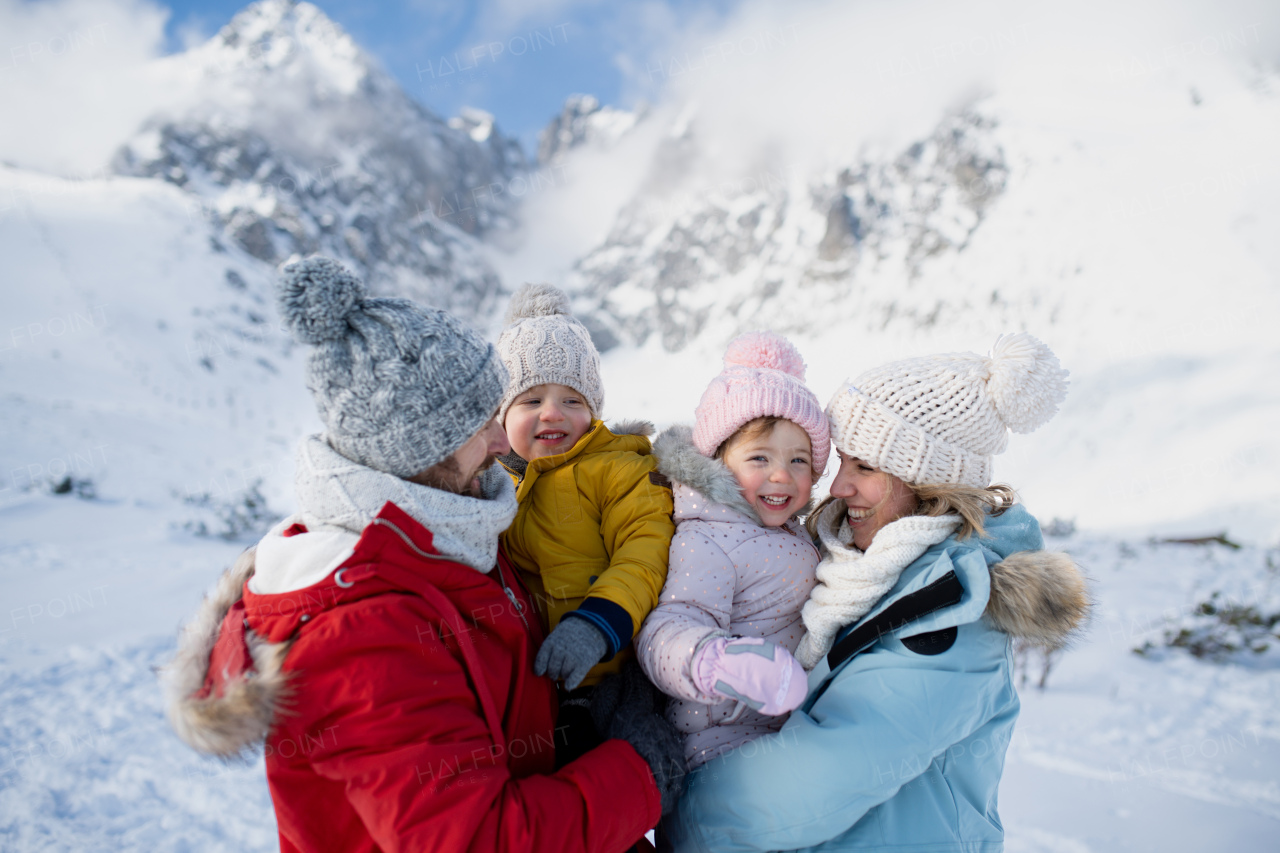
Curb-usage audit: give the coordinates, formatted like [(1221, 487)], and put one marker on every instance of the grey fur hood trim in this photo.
[(680, 462), (1041, 597), (633, 428), (238, 721)]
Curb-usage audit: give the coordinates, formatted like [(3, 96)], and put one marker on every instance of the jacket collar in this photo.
[(625, 435), (680, 462), (388, 556)]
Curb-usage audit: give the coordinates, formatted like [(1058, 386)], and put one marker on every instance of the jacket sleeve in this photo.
[(696, 603), (635, 523), (871, 732), (411, 747)]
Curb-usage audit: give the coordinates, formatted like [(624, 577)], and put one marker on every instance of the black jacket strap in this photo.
[(944, 592)]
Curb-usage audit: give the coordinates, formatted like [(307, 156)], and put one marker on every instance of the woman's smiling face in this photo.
[(872, 498)]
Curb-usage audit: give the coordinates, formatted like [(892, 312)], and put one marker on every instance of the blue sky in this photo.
[(523, 57)]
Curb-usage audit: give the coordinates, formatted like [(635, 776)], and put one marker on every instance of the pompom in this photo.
[(537, 300), (315, 298), (1025, 381), (767, 350)]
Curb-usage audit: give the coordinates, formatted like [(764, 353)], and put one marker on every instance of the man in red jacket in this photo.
[(378, 643)]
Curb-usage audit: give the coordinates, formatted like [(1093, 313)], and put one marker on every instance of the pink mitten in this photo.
[(761, 675)]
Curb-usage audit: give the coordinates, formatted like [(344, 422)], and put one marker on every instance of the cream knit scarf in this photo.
[(850, 582), (337, 492)]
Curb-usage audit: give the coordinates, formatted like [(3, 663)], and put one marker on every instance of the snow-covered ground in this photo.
[(1119, 752)]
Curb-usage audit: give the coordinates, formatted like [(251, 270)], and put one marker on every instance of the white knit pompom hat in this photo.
[(543, 343), (941, 418)]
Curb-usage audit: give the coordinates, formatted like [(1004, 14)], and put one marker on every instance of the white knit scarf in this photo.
[(850, 582), (337, 492)]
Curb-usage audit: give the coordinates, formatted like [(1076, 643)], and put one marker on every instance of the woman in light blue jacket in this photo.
[(928, 572)]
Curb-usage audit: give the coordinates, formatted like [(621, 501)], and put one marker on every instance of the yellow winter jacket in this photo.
[(592, 533)]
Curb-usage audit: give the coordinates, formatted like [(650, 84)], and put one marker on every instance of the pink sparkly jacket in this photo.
[(728, 575)]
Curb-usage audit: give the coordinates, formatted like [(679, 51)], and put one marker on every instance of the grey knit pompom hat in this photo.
[(399, 386), (543, 343)]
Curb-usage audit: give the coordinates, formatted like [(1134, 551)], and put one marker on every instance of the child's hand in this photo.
[(569, 652), (761, 675)]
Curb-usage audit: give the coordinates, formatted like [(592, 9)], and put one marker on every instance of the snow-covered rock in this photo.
[(583, 121), (761, 249)]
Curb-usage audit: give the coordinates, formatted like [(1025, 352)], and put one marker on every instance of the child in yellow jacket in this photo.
[(593, 528)]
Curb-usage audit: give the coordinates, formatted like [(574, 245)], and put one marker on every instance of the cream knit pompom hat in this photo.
[(543, 343), (941, 418)]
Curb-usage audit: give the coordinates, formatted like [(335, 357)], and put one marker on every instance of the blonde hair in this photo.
[(752, 429), (971, 503)]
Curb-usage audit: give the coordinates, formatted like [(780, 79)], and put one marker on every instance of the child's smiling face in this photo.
[(774, 471), (546, 420)]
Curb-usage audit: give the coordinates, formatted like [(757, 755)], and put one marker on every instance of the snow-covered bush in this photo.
[(1059, 528), (243, 515), (1220, 629), (81, 487), (1234, 622)]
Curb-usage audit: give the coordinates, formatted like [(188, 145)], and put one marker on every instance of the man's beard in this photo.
[(447, 477)]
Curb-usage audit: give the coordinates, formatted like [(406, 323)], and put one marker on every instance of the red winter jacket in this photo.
[(402, 708)]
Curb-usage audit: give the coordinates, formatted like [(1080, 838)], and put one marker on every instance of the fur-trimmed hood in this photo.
[(230, 718), (1040, 597), (227, 685), (680, 462)]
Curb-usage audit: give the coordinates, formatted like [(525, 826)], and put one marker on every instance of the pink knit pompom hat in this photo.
[(763, 376)]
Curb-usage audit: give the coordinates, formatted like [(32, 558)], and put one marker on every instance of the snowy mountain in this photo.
[(294, 143), (761, 249)]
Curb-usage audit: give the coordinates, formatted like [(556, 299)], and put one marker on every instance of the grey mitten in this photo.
[(569, 651), (627, 706)]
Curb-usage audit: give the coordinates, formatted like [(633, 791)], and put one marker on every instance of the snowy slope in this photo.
[(149, 366), (1124, 752), (145, 373)]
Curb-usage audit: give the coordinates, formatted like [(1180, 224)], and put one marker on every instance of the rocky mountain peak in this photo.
[(295, 142), (273, 37), (583, 121)]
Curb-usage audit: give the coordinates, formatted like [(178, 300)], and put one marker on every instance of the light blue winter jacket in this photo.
[(897, 750)]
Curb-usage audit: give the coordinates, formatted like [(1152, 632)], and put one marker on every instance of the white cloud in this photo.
[(820, 81), (77, 77)]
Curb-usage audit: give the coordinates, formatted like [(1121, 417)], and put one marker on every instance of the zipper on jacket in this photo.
[(502, 578), (409, 541)]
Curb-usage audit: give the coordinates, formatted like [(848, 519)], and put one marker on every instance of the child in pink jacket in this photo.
[(741, 567)]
